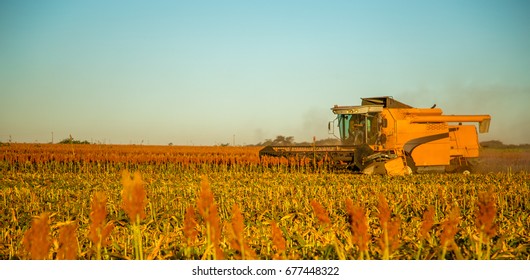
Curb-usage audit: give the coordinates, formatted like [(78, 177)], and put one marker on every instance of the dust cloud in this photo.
[(507, 106), (315, 123)]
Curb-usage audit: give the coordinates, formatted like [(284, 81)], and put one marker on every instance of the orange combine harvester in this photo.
[(385, 136)]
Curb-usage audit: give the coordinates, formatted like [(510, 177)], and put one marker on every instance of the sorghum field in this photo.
[(61, 201)]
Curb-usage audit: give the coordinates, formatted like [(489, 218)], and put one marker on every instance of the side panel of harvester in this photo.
[(463, 141), (428, 141)]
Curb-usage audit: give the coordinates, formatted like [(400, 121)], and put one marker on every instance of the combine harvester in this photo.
[(385, 136)]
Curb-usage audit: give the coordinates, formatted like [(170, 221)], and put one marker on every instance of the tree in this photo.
[(70, 140)]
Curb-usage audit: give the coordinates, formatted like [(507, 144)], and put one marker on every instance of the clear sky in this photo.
[(202, 72)]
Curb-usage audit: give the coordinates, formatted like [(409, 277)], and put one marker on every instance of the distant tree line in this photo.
[(281, 140), (496, 144), (71, 140)]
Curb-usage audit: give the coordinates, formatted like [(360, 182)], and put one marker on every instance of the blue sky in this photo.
[(200, 72)]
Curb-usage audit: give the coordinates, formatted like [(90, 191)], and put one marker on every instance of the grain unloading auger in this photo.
[(385, 136)]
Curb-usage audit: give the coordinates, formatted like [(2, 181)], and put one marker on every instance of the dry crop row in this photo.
[(112, 158), (173, 213)]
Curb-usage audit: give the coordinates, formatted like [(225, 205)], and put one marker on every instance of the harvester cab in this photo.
[(358, 124)]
